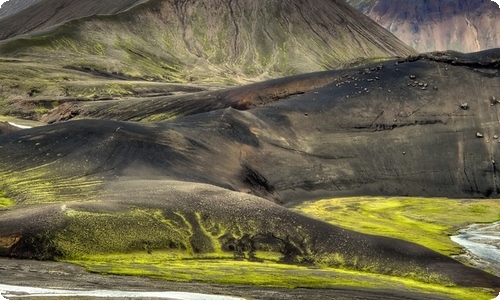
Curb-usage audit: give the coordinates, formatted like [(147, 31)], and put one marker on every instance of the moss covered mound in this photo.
[(144, 216)]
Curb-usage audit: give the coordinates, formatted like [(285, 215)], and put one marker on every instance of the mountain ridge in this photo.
[(438, 25)]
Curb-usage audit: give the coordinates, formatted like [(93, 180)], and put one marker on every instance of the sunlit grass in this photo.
[(425, 221), (219, 269), (5, 202)]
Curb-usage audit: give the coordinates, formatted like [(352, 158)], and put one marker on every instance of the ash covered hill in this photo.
[(209, 41), (437, 25)]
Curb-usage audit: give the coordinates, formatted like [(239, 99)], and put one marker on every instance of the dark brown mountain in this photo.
[(436, 25)]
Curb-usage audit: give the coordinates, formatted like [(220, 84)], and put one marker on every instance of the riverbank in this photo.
[(482, 242)]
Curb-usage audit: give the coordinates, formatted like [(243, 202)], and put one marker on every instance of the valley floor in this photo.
[(66, 276)]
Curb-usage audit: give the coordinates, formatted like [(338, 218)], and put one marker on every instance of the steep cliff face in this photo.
[(13, 6), (435, 25)]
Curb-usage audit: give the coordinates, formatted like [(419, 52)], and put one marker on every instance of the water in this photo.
[(8, 292), (482, 241)]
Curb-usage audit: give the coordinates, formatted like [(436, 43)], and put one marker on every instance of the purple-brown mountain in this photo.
[(434, 25)]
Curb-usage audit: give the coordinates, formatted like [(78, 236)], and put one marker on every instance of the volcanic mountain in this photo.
[(205, 41), (147, 150), (437, 25)]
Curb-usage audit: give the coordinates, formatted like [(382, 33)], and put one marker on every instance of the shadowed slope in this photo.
[(213, 41), (383, 129)]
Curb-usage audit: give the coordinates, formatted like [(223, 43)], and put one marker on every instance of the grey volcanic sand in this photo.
[(65, 276)]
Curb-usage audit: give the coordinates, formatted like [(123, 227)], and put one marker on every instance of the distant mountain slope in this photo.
[(209, 40), (13, 6), (45, 13), (435, 25)]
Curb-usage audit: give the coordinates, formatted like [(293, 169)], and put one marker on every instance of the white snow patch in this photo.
[(12, 291), (18, 126), (1, 297)]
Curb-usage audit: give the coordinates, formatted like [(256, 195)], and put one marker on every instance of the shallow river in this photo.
[(11, 291), (483, 243)]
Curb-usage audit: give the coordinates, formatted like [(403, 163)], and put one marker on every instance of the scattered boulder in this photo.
[(413, 76), (493, 100), (495, 137), (464, 106), (479, 135)]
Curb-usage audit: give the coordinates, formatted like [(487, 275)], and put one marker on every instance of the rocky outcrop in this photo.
[(437, 25)]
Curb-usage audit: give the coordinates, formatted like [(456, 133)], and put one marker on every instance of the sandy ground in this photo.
[(67, 276)]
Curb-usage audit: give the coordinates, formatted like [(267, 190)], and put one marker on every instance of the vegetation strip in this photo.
[(175, 266), (425, 221)]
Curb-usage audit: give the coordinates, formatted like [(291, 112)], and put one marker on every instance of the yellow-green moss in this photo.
[(40, 185), (425, 221), (175, 266), (4, 201)]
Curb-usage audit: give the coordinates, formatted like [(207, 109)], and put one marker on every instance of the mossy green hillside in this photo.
[(144, 230), (159, 40), (425, 221), (29, 90), (41, 185), (217, 269)]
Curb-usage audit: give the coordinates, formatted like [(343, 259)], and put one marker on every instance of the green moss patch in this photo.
[(4, 201), (428, 222), (176, 266), (40, 185)]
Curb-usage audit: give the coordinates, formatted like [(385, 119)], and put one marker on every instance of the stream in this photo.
[(482, 241)]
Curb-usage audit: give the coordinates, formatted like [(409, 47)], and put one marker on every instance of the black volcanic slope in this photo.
[(423, 126)]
